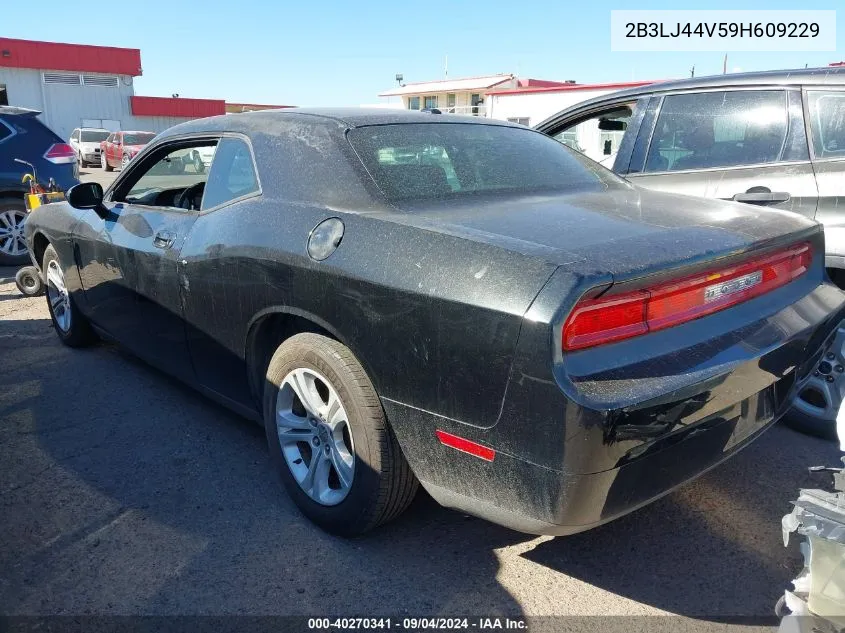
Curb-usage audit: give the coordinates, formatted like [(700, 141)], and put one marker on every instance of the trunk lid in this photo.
[(627, 231)]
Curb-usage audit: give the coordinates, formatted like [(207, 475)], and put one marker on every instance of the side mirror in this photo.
[(86, 195)]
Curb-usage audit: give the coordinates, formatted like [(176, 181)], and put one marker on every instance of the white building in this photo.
[(465, 95), (533, 104)]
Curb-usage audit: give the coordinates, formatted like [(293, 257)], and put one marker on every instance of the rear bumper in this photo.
[(568, 460), (562, 504)]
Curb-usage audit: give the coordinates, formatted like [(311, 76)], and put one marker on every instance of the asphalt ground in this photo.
[(124, 492)]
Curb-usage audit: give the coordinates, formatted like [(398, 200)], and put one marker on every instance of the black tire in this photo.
[(810, 425), (383, 485), (79, 333), (80, 160), (17, 207), (104, 162), (29, 282)]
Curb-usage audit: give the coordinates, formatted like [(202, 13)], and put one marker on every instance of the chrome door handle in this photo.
[(164, 239), (762, 197)]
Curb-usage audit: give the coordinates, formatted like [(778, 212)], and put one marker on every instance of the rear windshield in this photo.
[(419, 161), (93, 137), (137, 139)]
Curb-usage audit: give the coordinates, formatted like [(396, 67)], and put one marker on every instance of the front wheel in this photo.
[(329, 438), (72, 327), (124, 162), (104, 162)]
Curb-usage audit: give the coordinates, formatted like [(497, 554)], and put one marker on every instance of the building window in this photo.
[(450, 100), (475, 100), (413, 103), (522, 120), (430, 101)]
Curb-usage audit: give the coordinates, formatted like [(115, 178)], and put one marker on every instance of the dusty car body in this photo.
[(433, 256)]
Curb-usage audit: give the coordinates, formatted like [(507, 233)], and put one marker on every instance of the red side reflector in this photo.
[(60, 154), (465, 446), (600, 321)]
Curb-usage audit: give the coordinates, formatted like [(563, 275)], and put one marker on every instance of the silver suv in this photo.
[(773, 139), (85, 141)]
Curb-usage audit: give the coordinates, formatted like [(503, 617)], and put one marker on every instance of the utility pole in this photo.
[(692, 71), (725, 65), (446, 66)]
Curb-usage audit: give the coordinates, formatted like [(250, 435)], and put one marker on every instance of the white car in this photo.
[(85, 141)]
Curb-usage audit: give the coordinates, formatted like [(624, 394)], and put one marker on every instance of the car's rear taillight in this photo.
[(605, 320), (60, 154)]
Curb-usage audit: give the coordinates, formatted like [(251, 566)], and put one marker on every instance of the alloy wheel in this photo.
[(103, 160), (12, 240), (124, 162), (58, 295), (315, 437), (822, 391)]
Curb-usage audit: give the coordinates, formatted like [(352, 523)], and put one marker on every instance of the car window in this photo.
[(75, 135), (232, 174), (138, 138), (718, 129), (599, 136), (435, 160), (110, 139), (827, 123), (161, 178), (91, 136)]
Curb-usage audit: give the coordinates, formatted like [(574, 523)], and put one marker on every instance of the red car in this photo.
[(120, 147)]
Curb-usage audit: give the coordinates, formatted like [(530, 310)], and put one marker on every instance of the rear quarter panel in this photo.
[(434, 319)]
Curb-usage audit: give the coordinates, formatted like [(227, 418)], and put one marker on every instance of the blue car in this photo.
[(24, 137)]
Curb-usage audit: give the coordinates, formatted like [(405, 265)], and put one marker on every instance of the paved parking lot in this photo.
[(122, 492)]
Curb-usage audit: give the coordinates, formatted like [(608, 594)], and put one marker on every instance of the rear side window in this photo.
[(719, 129), (827, 123), (232, 174), (421, 161), (90, 136)]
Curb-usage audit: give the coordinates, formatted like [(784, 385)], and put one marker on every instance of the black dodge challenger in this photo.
[(408, 298)]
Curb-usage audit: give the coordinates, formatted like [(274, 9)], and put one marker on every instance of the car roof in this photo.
[(825, 76), (247, 122), (92, 129)]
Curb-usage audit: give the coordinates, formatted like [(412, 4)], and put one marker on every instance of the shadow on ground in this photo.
[(123, 492)]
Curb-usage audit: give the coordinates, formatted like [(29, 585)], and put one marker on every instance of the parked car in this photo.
[(120, 147), (86, 141), (534, 340), (26, 138), (771, 139)]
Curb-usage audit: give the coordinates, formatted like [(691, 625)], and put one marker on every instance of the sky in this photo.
[(344, 53)]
